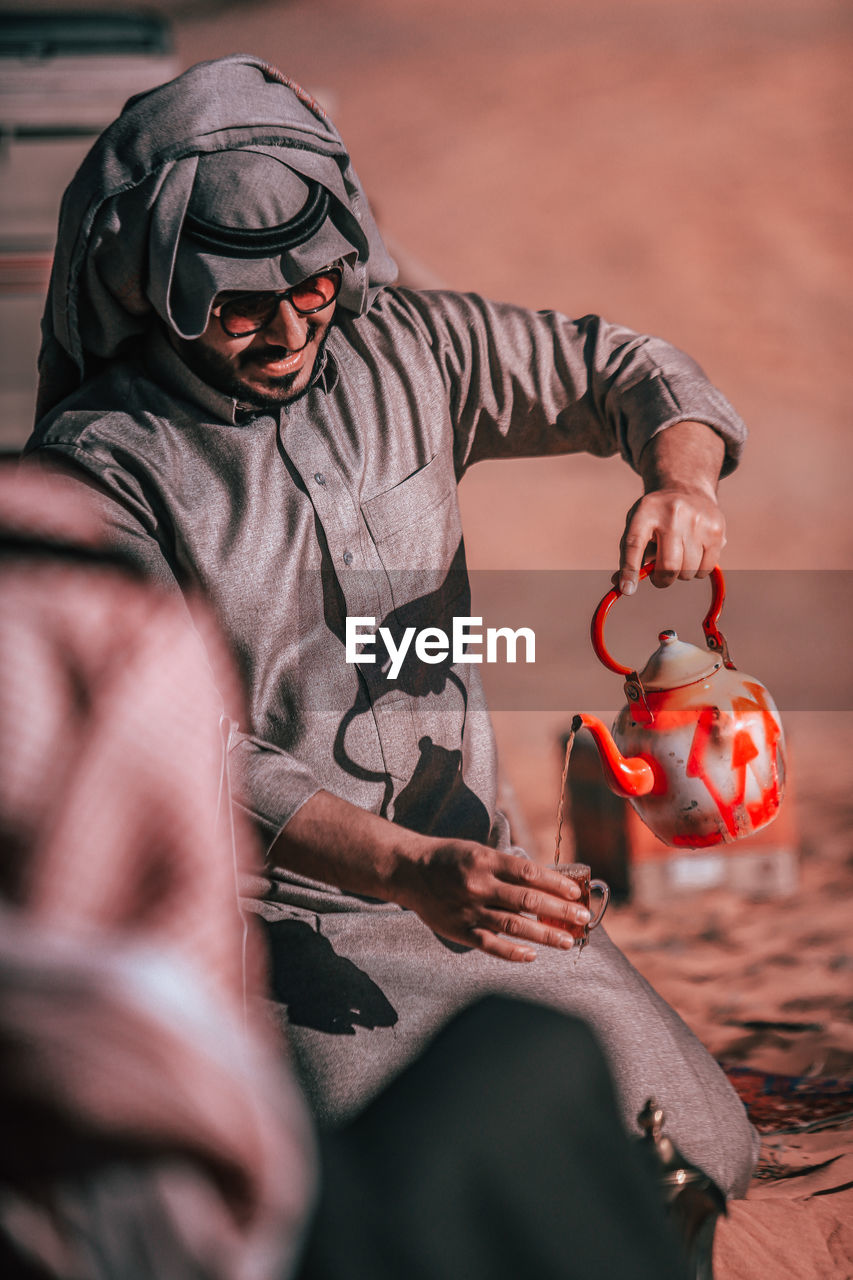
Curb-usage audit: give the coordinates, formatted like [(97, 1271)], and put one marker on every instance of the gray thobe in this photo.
[(344, 505)]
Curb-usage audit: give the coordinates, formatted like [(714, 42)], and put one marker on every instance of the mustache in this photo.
[(270, 352)]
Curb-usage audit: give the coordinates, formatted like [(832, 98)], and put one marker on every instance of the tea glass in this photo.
[(580, 873)]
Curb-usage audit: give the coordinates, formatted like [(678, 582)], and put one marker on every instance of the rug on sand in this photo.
[(791, 1104)]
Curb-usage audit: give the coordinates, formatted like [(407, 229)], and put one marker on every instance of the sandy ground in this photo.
[(685, 169)]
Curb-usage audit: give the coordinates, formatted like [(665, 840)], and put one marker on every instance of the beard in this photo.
[(220, 373)]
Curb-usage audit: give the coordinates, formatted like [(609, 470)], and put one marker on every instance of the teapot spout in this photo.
[(626, 775)]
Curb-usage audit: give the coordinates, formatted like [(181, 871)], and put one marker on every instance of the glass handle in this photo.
[(604, 889)]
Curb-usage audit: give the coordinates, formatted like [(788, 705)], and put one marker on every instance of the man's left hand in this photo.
[(678, 519)]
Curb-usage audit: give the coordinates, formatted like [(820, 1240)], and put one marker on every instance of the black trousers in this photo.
[(498, 1153)]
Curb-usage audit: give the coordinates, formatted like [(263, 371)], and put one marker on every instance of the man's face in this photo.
[(263, 369)]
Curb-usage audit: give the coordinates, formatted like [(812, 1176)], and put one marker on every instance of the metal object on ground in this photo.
[(693, 1200)]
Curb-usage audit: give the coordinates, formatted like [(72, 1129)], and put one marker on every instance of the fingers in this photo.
[(496, 901), (505, 936), (701, 532), (636, 546), (648, 535), (504, 948), (532, 904), (669, 558), (684, 531), (513, 908), (710, 558), (521, 871), (545, 933)]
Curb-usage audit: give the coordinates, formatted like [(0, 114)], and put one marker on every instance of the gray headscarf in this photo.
[(228, 177)]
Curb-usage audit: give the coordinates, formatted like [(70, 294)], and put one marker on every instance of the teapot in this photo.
[(698, 749)]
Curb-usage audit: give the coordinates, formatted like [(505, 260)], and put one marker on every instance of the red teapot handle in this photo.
[(713, 636)]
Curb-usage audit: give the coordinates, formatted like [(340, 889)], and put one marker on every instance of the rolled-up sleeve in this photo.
[(532, 383), (271, 785)]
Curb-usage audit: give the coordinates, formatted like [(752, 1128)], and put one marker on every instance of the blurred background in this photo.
[(683, 168)]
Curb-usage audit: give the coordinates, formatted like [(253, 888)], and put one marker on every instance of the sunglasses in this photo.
[(248, 313)]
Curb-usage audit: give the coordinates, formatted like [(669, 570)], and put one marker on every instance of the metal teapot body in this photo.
[(698, 749)]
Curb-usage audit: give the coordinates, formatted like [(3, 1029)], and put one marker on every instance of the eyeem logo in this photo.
[(434, 645)]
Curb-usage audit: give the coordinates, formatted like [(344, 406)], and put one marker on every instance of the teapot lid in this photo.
[(675, 663)]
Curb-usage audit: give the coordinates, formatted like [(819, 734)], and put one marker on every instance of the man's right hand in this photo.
[(464, 891), (483, 898)]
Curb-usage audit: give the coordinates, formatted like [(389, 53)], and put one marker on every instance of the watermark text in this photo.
[(433, 645)]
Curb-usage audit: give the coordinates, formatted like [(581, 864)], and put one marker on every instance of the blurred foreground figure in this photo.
[(144, 1129)]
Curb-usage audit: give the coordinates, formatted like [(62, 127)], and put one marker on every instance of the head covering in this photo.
[(135, 1093), (251, 223), (228, 177)]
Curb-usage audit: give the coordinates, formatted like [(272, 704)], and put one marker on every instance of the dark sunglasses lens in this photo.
[(252, 311), (249, 312), (316, 292)]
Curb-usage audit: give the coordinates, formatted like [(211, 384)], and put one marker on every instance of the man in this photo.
[(263, 416)]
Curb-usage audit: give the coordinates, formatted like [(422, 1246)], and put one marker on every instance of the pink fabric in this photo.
[(120, 938)]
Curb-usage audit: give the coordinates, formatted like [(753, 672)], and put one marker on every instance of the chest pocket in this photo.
[(417, 532)]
